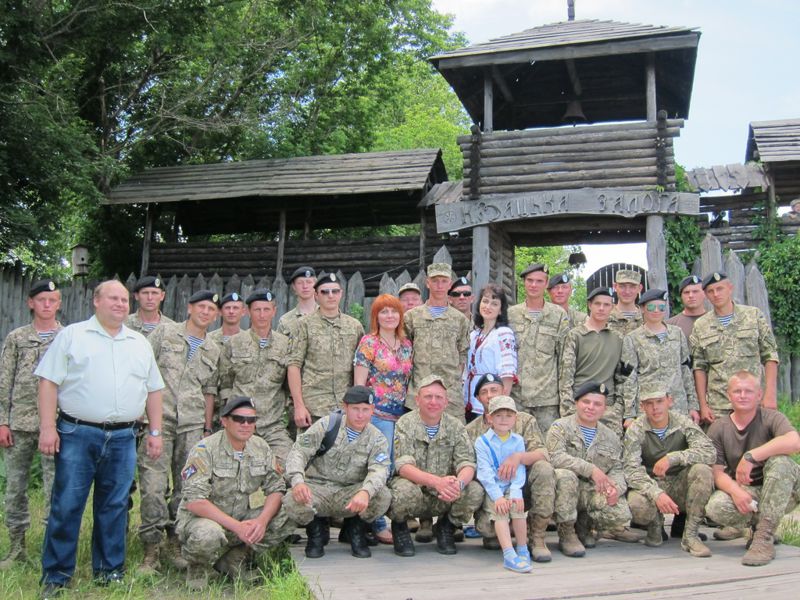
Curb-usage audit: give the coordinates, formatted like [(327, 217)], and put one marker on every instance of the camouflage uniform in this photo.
[(447, 453), (622, 324), (650, 360), (183, 410), (236, 486), (134, 321), (779, 495), (440, 348), (745, 344), (323, 350), (575, 370), (246, 369), (335, 477), (19, 410), (689, 480), (576, 317), (574, 463), (541, 488), (288, 323), (216, 337), (539, 340)]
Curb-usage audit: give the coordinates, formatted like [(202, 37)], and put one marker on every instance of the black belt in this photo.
[(107, 426)]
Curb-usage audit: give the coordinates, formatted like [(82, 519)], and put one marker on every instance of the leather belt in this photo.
[(107, 426)]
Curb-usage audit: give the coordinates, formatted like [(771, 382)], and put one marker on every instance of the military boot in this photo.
[(691, 541), (585, 530), (723, 534), (401, 539), (16, 551), (357, 532), (150, 562), (568, 541), (444, 530), (654, 538), (234, 563), (762, 548), (537, 526), (425, 532), (315, 532), (626, 534), (197, 577), (173, 549)]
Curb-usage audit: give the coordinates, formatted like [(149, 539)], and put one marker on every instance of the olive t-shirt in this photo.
[(685, 322), (731, 443)]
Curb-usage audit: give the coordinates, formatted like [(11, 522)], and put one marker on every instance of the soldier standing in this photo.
[(626, 316), (693, 300), (19, 420), (347, 480), (559, 287), (302, 282), (149, 293), (666, 462), (188, 363), (410, 296), (320, 367), (232, 309), (231, 505), (539, 328), (460, 295)]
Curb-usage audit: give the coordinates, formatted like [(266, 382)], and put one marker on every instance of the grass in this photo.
[(281, 579)]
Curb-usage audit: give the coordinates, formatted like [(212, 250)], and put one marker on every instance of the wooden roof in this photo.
[(777, 145), (533, 83), (346, 190), (727, 178)]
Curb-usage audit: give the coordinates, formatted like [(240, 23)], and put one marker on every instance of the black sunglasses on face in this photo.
[(241, 419), (460, 294)]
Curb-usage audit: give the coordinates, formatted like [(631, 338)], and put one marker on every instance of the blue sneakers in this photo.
[(518, 564)]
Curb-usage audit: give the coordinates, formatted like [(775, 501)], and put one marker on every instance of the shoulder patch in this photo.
[(382, 457), (188, 471)]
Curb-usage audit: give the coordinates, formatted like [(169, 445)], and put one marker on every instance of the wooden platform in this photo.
[(612, 570)]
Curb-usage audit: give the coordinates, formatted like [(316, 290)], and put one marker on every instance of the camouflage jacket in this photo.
[(19, 387), (363, 461), (684, 444), (525, 425), (576, 317), (186, 381), (622, 324), (323, 350), (647, 360), (745, 344), (539, 341), (134, 321), (287, 324), (246, 369)]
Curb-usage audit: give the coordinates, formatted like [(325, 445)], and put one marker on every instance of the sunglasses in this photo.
[(653, 306), (460, 294), (330, 292), (241, 419)]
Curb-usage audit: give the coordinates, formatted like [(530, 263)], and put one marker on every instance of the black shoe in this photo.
[(315, 546), (357, 530), (52, 590), (344, 536), (372, 539), (444, 531), (401, 539), (678, 525), (326, 531)]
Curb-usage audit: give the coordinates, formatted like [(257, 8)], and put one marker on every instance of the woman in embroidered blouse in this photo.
[(492, 347)]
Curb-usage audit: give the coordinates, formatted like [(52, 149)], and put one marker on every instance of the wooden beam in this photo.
[(480, 257), (501, 83), (656, 253), (573, 77), (423, 221), (281, 243), (149, 221), (488, 102), (650, 78)]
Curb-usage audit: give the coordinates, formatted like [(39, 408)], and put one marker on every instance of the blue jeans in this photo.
[(107, 459), (386, 427)]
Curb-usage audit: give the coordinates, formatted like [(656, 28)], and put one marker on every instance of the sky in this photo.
[(746, 68)]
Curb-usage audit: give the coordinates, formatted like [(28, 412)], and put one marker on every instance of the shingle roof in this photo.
[(774, 141)]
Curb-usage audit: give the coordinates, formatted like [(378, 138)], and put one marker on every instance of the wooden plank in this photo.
[(481, 263), (734, 269), (617, 129), (656, 252), (650, 82)]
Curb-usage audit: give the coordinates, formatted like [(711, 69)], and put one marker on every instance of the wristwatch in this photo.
[(749, 458), (155, 432)]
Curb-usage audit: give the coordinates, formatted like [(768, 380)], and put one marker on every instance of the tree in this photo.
[(557, 260)]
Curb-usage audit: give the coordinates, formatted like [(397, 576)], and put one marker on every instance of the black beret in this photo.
[(459, 282), (302, 272), (532, 268), (591, 387), (149, 281), (557, 279), (260, 294), (232, 297), (42, 285), (486, 378), (687, 281), (201, 295), (652, 294), (327, 278), (359, 394), (714, 278), (600, 291), (235, 402)]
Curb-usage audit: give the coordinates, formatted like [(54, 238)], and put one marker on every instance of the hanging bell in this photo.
[(574, 113)]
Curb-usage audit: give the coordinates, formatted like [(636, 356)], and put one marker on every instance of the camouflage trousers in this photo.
[(690, 490), (204, 541), (329, 500), (545, 415), (158, 514), (574, 495), (777, 496), (18, 459), (410, 500), (279, 442), (539, 494)]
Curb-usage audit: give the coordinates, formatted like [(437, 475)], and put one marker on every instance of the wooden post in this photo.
[(149, 220), (650, 72), (656, 252), (423, 221), (488, 102), (281, 242), (480, 256), (770, 195)]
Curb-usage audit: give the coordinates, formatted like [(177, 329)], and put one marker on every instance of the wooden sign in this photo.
[(588, 201)]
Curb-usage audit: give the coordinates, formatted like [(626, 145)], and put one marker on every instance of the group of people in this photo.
[(449, 409)]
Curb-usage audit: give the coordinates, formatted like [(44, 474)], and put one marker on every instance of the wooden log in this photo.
[(421, 281), (710, 255), (488, 101), (388, 285), (281, 241), (343, 281), (564, 132), (583, 137), (578, 155), (497, 170), (481, 263), (183, 292), (756, 289), (628, 183), (549, 176), (280, 290), (656, 252), (443, 256), (650, 94), (641, 145), (355, 292), (149, 221), (734, 268)]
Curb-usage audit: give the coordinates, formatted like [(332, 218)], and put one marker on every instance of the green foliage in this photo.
[(356, 311), (683, 239), (779, 263), (557, 260)]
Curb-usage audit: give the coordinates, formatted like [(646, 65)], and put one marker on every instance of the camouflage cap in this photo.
[(409, 287), (43, 285), (651, 295), (652, 390), (359, 394), (557, 279), (687, 281), (430, 380), (715, 277), (439, 270), (201, 295), (795, 202), (502, 402), (628, 276), (235, 402)]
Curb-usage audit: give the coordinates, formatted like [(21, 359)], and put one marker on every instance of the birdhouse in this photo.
[(80, 260)]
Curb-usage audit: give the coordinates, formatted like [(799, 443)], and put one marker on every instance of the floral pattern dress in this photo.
[(389, 373)]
